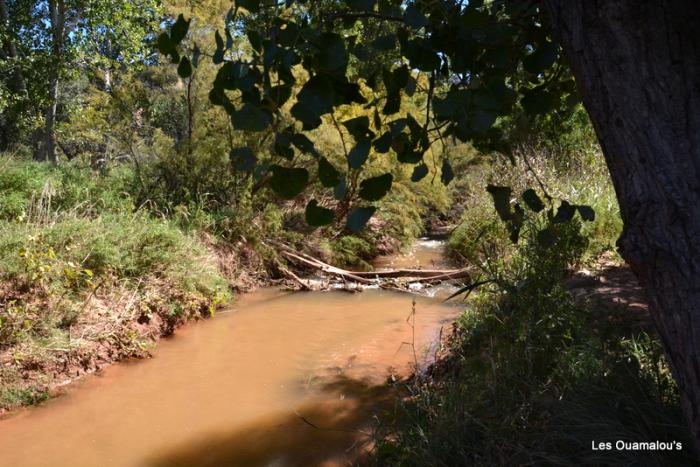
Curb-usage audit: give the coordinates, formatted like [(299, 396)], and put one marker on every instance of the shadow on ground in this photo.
[(613, 296), (335, 429)]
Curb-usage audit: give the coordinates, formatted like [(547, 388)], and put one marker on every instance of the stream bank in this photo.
[(280, 377)]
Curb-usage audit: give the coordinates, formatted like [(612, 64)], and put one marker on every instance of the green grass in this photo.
[(530, 377), (79, 260)]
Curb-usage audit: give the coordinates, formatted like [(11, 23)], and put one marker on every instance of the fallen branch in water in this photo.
[(424, 276)]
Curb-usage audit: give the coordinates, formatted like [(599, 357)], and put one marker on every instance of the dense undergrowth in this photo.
[(531, 375)]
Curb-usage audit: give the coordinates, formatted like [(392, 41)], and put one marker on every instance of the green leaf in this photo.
[(243, 159), (361, 5), (419, 173), (358, 218), (421, 55), (538, 101), (447, 174), (317, 216), (542, 58), (333, 56), (164, 44), (304, 144), (327, 174), (383, 143), (196, 53), (179, 30), (375, 188), (314, 99), (251, 118), (359, 154), (413, 17), (516, 223), (185, 68), (501, 200), (341, 189), (252, 6), (587, 213), (219, 53), (359, 127), (255, 40), (565, 213), (546, 237), (384, 43), (532, 200), (288, 182), (282, 146)]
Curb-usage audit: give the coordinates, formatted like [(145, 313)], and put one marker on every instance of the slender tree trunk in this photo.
[(57, 16), (637, 65)]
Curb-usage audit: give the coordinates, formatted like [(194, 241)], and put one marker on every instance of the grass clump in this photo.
[(86, 278)]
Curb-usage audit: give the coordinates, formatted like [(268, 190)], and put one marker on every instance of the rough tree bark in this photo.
[(57, 14), (637, 65)]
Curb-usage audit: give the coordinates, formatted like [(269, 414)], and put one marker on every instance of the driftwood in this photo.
[(374, 277)]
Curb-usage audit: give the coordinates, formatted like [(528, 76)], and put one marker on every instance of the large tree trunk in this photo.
[(57, 16), (637, 65)]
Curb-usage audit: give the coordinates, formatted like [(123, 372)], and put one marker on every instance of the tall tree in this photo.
[(58, 37), (637, 65)]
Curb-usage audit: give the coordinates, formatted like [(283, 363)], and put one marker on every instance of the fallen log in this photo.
[(373, 277)]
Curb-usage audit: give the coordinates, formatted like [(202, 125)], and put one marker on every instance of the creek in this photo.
[(277, 379)]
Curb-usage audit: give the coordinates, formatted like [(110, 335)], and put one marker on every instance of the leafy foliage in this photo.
[(473, 63)]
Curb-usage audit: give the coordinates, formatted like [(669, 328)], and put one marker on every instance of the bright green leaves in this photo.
[(243, 159), (532, 200), (375, 188), (358, 218), (327, 174), (317, 216), (287, 182)]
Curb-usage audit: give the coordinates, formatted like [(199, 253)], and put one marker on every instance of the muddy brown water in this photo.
[(279, 379)]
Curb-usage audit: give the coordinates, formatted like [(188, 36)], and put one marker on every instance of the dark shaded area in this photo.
[(614, 296), (336, 429)]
